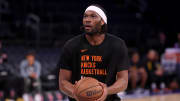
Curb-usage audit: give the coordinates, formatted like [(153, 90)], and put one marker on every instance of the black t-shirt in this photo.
[(101, 62)]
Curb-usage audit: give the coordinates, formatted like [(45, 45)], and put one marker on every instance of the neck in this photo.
[(95, 39)]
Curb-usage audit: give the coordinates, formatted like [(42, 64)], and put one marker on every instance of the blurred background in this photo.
[(34, 31)]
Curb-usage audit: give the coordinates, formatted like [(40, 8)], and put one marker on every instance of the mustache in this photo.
[(82, 28)]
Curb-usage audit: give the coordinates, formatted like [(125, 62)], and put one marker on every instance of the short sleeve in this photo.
[(122, 58), (65, 58)]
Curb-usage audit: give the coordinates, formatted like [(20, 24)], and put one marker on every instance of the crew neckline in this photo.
[(85, 39)]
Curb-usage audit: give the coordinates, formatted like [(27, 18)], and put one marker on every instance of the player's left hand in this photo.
[(105, 93)]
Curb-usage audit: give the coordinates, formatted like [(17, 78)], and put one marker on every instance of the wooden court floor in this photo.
[(169, 97)]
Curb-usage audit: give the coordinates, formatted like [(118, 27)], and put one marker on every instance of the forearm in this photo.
[(67, 88), (118, 86)]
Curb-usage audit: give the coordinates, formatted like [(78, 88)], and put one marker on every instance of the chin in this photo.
[(89, 33)]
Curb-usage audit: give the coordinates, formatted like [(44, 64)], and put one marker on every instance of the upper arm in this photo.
[(122, 74), (65, 64), (22, 69), (65, 61), (65, 74), (121, 57)]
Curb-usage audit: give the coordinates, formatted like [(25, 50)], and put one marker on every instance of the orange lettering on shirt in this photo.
[(96, 58)]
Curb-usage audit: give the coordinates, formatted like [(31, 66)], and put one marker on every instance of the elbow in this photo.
[(125, 86), (125, 83), (60, 88), (61, 85)]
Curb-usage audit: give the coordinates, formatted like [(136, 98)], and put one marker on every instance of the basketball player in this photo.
[(95, 54)]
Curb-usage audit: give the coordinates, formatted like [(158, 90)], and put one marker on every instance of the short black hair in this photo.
[(31, 52)]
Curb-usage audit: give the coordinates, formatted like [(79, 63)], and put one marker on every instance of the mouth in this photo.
[(87, 26)]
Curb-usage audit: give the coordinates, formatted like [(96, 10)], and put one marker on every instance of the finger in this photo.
[(103, 97), (102, 84)]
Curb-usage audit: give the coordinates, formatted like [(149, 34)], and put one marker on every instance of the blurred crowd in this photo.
[(158, 70), (26, 78)]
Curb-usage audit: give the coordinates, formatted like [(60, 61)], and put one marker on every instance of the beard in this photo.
[(94, 30)]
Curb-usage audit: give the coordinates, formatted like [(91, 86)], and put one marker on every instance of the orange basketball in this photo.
[(88, 89)]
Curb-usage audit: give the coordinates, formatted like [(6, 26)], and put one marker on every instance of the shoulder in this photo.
[(116, 41), (73, 42)]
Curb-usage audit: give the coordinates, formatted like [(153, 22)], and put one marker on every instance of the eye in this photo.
[(93, 16), (84, 16)]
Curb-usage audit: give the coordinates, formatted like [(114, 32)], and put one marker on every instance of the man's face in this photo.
[(135, 58), (92, 22), (30, 59), (152, 55)]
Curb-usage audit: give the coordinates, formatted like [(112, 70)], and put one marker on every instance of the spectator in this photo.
[(30, 70), (154, 70), (8, 76), (4, 72), (169, 65), (137, 73)]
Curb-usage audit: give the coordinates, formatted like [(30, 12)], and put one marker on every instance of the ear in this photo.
[(102, 22)]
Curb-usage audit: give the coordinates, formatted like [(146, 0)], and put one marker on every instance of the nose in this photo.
[(87, 20)]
